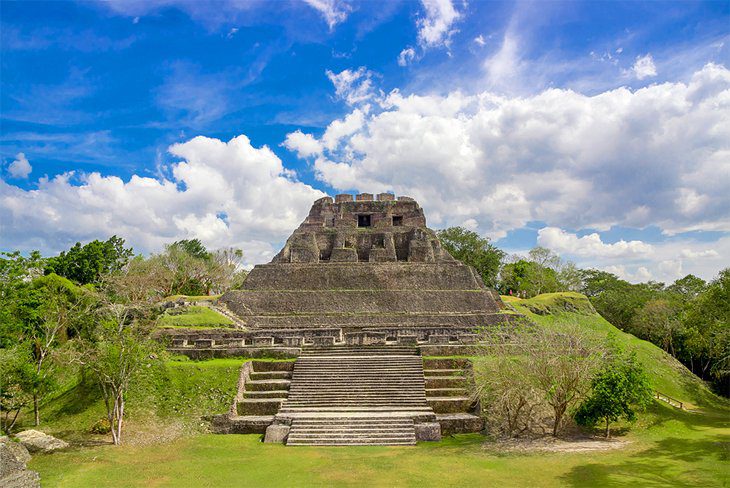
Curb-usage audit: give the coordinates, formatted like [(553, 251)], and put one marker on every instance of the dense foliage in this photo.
[(618, 390), (470, 248), (88, 263)]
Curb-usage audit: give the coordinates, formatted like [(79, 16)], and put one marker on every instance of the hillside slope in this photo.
[(668, 375)]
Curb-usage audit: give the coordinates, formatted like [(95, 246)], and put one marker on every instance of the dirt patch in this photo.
[(550, 444)]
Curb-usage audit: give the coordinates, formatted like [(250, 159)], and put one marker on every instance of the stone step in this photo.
[(261, 385), (376, 441), (266, 394), (459, 423), (353, 421), (444, 372), (259, 406), (308, 409), (270, 375), (450, 404), (445, 382), (262, 366), (374, 433), (445, 392)]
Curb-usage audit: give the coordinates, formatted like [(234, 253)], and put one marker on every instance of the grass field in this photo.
[(194, 316), (676, 449), (665, 447)]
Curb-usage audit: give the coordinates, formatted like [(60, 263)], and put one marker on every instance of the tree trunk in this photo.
[(120, 419), (608, 431), (36, 410)]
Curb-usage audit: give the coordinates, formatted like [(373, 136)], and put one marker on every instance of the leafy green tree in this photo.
[(50, 308), (193, 247), (17, 383), (528, 278), (688, 287), (88, 263), (618, 390), (16, 272), (472, 249), (120, 346), (708, 322), (658, 321)]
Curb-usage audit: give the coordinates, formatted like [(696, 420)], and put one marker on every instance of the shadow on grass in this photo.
[(656, 466)]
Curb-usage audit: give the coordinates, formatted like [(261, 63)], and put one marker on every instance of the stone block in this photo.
[(373, 339), (438, 339), (386, 197), (343, 197), (293, 341), (261, 366), (460, 423), (364, 197), (354, 338), (266, 406), (179, 342), (204, 343), (323, 341), (408, 340), (468, 338), (276, 433), (405, 199), (428, 431), (344, 255), (262, 341), (36, 441), (450, 404), (379, 255)]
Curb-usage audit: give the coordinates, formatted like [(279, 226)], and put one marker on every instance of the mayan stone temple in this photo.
[(361, 292)]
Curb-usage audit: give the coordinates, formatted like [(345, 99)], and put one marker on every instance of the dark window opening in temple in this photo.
[(397, 220), (363, 221)]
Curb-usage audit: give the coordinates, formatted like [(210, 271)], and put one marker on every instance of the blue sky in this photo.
[(599, 129)]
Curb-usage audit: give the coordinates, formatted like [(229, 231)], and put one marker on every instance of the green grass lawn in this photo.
[(678, 449), (194, 316)]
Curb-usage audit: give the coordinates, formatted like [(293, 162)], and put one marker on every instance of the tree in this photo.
[(193, 247), (532, 369), (17, 383), (708, 323), (618, 390), (658, 321), (688, 287), (88, 263), (472, 249), (16, 272), (50, 308), (121, 345)]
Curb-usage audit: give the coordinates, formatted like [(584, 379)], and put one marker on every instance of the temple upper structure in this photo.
[(363, 229), (364, 266)]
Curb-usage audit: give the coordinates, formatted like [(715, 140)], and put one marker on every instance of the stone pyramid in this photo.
[(364, 270)]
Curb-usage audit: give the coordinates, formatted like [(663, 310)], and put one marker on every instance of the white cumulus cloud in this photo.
[(437, 27), (658, 155), (644, 67), (226, 193), (589, 245), (20, 167)]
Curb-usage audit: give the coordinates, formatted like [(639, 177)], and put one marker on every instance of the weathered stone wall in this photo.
[(388, 271), (396, 231), (361, 301)]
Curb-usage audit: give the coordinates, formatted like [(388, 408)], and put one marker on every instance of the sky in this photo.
[(600, 130)]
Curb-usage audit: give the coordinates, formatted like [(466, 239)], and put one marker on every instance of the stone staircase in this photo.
[(356, 395), (449, 383)]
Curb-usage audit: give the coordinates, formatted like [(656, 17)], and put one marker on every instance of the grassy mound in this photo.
[(174, 391), (668, 375), (194, 316)]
